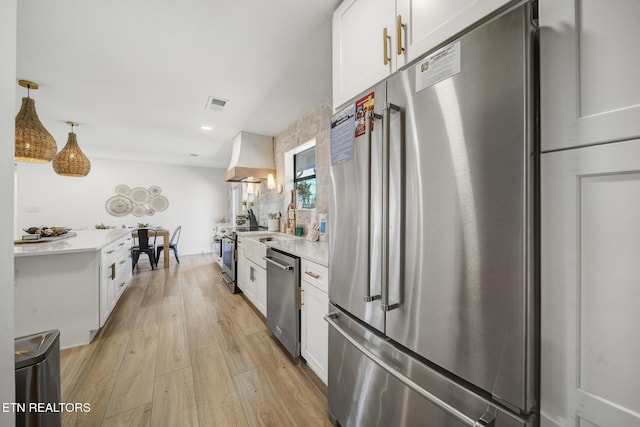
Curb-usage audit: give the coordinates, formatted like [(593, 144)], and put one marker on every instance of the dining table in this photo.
[(159, 232)]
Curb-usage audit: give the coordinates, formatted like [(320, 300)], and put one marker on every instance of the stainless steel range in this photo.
[(219, 230), (229, 260)]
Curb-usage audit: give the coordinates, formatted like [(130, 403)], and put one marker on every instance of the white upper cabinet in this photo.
[(359, 48), (425, 24), (589, 61), (374, 38)]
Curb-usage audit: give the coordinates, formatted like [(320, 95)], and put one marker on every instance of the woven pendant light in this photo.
[(33, 142), (71, 161)]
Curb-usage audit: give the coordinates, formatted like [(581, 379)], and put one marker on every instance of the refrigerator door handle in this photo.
[(369, 118), (386, 127), (486, 420)]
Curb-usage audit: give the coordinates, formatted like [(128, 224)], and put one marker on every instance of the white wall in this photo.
[(197, 197), (7, 119)]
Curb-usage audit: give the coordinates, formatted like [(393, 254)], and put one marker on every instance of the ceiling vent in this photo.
[(216, 104)]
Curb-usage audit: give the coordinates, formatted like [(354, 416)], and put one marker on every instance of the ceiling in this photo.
[(136, 75)]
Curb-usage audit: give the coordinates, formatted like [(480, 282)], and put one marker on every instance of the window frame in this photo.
[(289, 170)]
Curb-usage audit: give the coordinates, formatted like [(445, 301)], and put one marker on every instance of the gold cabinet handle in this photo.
[(314, 275), (385, 40), (252, 277), (300, 303), (399, 27), (113, 271)]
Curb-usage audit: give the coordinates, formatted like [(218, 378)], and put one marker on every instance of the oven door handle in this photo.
[(282, 266)]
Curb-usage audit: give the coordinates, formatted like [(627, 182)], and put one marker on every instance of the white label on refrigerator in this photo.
[(342, 125), (440, 66)]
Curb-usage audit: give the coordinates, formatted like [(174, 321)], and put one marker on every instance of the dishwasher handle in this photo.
[(282, 266)]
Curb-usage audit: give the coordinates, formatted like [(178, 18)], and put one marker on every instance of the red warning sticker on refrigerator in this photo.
[(364, 105)]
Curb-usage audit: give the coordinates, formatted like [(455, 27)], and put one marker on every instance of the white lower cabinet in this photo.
[(115, 274), (314, 331), (589, 286), (241, 266), (260, 275), (249, 287), (256, 286)]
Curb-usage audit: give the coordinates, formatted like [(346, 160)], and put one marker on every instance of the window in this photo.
[(304, 180)]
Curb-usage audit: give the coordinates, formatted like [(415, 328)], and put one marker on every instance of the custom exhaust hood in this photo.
[(251, 159)]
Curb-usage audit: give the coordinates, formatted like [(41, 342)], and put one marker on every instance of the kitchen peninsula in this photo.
[(71, 284)]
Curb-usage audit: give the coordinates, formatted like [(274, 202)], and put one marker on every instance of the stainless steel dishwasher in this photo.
[(283, 299)]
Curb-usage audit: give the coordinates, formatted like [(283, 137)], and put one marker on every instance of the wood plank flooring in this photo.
[(179, 350)]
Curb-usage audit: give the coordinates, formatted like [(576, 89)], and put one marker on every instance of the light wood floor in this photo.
[(179, 350)]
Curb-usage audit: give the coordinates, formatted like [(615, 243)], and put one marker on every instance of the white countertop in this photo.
[(299, 246), (85, 241)]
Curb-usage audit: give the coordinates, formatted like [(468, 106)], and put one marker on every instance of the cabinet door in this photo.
[(590, 286), (107, 290), (358, 46), (240, 269), (250, 281), (589, 61), (314, 338), (121, 282), (260, 275), (428, 24)]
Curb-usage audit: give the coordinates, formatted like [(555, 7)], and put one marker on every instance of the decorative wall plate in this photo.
[(122, 190), (138, 201), (159, 203), (119, 206), (139, 195), (139, 210)]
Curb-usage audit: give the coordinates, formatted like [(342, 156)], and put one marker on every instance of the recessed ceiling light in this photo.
[(193, 154), (206, 128)]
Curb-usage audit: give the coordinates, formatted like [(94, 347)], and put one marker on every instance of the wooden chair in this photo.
[(173, 245), (144, 246)]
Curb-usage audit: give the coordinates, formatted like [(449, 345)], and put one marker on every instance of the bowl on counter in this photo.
[(47, 231)]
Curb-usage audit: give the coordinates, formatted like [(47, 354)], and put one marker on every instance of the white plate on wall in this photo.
[(139, 210), (139, 195), (119, 206), (122, 190), (159, 203)]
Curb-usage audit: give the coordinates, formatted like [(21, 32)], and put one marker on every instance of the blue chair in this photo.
[(144, 246), (173, 245)]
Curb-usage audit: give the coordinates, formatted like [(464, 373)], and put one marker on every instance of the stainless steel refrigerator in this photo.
[(433, 239)]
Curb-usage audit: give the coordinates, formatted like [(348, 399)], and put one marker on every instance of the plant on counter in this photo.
[(101, 226), (143, 225)]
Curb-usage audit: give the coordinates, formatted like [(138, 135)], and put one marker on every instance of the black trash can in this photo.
[(38, 397)]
